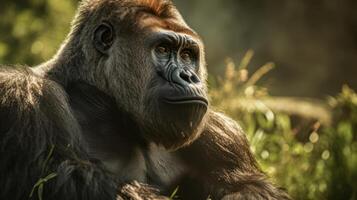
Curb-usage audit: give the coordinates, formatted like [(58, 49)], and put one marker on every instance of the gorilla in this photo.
[(121, 112)]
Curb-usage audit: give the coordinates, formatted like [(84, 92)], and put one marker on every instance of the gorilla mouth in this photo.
[(187, 100)]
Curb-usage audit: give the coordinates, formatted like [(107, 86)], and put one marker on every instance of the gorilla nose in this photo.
[(184, 77)]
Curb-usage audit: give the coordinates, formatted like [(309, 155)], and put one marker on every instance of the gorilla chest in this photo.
[(154, 166), (129, 159)]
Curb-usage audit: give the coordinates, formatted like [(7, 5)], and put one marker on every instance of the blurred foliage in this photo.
[(315, 162), (31, 31), (308, 146), (314, 43)]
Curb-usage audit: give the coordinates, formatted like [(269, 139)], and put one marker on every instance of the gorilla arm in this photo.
[(42, 153), (40, 139), (222, 157)]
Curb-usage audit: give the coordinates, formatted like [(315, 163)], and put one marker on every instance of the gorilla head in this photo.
[(154, 68)]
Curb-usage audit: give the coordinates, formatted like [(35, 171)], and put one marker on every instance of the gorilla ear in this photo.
[(103, 37)]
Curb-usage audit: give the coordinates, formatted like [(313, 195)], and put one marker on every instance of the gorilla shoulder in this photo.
[(31, 102)]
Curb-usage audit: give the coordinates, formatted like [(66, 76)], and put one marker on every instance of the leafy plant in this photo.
[(307, 146)]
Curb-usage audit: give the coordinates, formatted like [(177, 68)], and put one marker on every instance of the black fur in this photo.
[(35, 118)]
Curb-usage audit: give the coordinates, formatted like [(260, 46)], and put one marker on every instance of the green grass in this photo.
[(308, 146)]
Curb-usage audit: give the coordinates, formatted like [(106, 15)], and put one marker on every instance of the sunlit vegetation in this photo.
[(31, 31), (307, 146)]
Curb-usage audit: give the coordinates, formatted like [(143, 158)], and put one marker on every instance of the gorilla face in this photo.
[(179, 92), (158, 76)]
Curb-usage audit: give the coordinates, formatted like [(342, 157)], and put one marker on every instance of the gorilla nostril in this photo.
[(185, 76), (189, 77), (194, 79)]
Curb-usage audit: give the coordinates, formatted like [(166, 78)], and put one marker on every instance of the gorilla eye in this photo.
[(163, 50), (187, 55), (103, 37)]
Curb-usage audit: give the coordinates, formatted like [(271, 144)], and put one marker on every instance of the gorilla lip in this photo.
[(186, 100)]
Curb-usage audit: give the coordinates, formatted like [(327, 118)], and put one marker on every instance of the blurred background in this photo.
[(286, 69)]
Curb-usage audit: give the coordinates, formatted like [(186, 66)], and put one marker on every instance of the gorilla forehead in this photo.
[(161, 8), (132, 14)]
